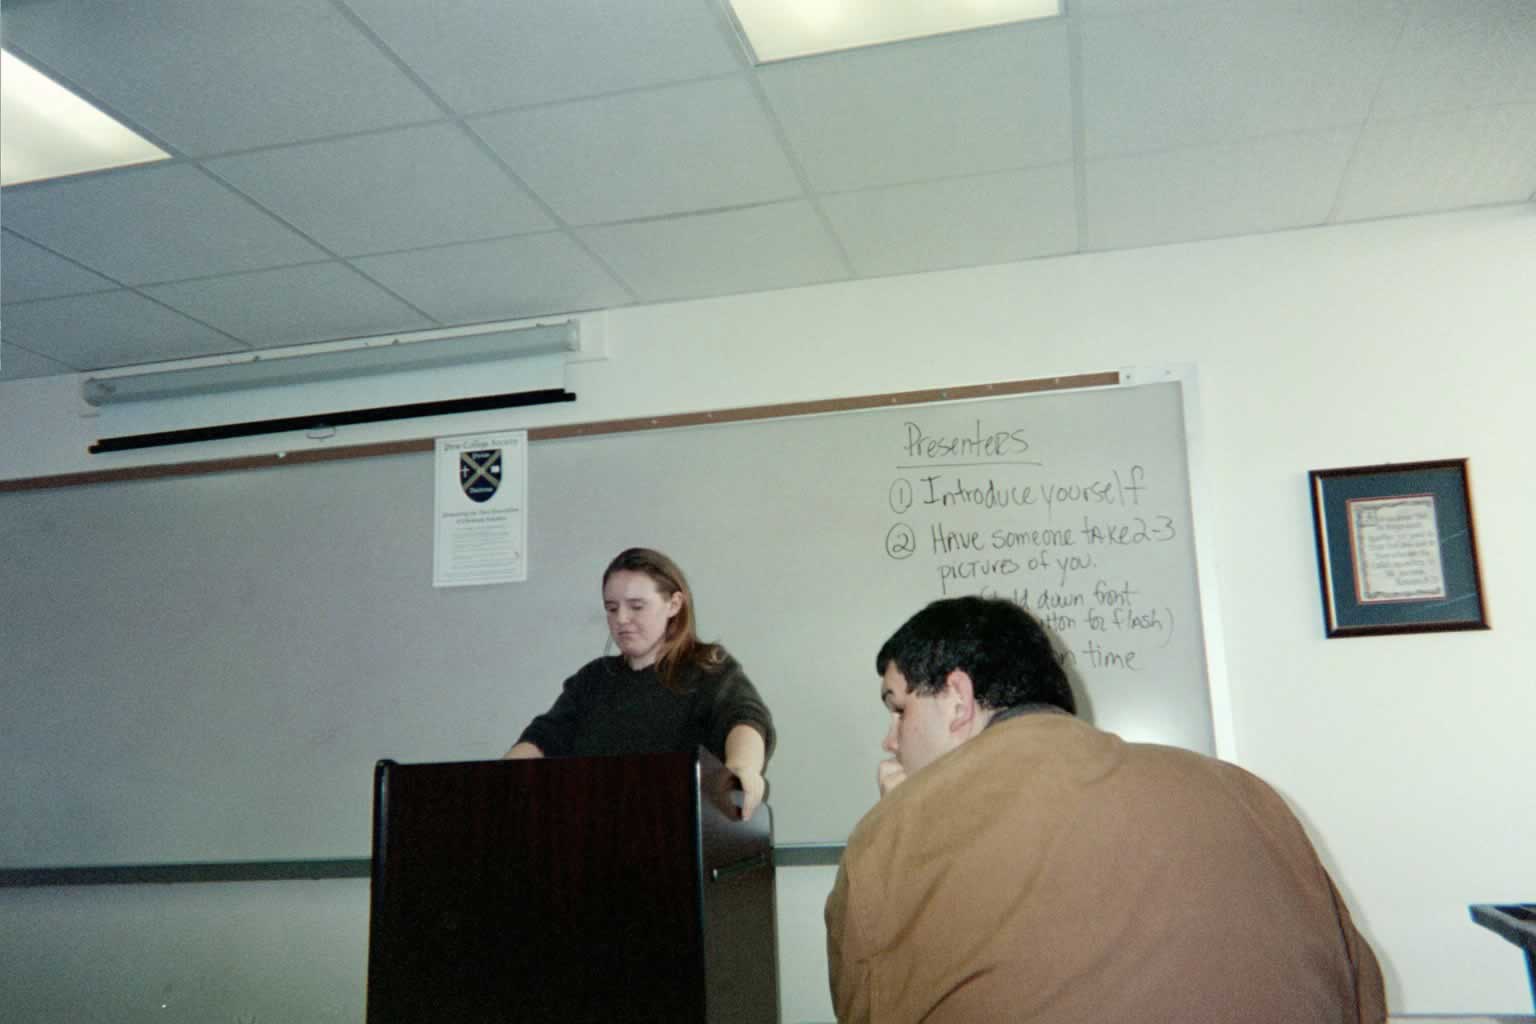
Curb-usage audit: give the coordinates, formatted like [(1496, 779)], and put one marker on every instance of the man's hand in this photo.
[(889, 775)]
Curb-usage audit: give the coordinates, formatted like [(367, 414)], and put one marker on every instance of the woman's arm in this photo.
[(746, 755), (740, 713), (552, 733)]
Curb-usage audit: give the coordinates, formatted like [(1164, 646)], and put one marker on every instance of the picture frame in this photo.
[(1396, 550)]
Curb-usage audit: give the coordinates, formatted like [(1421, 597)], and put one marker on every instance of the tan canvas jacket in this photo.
[(1049, 872)]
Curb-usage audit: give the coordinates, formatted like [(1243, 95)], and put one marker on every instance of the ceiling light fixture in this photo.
[(783, 29), (50, 132)]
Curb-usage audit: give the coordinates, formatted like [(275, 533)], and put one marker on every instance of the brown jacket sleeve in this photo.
[(1370, 992), (847, 963)]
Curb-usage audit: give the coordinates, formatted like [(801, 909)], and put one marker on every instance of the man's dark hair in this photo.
[(998, 644)]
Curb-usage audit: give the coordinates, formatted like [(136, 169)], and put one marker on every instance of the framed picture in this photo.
[(1395, 549)]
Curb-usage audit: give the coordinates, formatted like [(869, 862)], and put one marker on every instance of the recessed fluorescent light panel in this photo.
[(50, 132), (782, 29)]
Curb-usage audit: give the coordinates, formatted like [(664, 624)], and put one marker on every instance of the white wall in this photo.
[(1408, 757)]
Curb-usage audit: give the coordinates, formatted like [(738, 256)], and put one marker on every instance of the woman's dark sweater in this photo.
[(609, 708)]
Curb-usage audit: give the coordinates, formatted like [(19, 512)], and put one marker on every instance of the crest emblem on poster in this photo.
[(480, 473)]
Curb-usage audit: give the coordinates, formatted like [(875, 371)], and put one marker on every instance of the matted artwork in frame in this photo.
[(1395, 549)]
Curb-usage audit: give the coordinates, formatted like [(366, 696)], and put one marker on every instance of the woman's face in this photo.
[(638, 615)]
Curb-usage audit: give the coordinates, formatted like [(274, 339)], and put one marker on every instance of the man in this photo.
[(1022, 866)]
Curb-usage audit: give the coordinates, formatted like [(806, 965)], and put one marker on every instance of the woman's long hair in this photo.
[(680, 645)]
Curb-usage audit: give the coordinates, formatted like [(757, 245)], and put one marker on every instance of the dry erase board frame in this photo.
[(170, 722)]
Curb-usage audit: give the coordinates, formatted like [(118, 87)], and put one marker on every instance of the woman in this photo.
[(664, 691)]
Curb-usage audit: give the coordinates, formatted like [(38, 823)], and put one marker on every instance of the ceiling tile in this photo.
[(292, 305), (105, 329), (533, 275), (18, 364), (1456, 55), (1190, 77), (699, 146), (642, 123), (1215, 191), (1465, 158), (483, 55), (211, 77), (777, 246), (438, 184), (969, 103), (158, 223), (958, 222), (31, 272)]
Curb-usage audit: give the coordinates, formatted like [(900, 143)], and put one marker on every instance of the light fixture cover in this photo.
[(50, 132), (781, 29), (264, 371)]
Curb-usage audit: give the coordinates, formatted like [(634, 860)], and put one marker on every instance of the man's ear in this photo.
[(962, 700)]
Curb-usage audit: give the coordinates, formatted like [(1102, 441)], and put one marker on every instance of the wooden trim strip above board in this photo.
[(688, 419)]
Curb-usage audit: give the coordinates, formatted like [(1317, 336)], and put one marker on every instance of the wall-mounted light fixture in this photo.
[(265, 371), (530, 356)]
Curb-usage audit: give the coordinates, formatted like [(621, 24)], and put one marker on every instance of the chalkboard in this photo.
[(206, 668)]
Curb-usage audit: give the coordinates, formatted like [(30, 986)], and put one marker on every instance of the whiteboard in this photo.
[(206, 668)]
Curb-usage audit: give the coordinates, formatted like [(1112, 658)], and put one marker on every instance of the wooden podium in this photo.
[(570, 890)]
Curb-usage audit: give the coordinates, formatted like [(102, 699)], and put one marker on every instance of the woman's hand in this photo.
[(753, 786), (745, 757)]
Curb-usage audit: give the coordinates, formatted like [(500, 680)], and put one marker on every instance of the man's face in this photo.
[(920, 723)]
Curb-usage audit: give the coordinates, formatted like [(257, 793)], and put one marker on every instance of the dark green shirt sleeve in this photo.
[(554, 732), (735, 701)]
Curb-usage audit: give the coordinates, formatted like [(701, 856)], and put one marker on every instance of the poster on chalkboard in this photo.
[(479, 509)]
